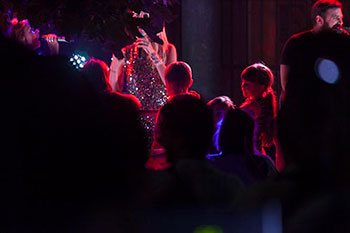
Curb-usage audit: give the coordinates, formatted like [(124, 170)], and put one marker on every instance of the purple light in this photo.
[(327, 70)]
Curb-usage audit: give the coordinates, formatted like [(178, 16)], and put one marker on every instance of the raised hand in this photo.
[(145, 42), (52, 42)]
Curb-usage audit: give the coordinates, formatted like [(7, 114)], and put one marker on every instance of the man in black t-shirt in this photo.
[(326, 16), (315, 80)]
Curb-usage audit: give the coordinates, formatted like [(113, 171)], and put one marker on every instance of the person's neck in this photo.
[(177, 92)]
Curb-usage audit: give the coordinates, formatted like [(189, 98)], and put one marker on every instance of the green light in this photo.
[(208, 229)]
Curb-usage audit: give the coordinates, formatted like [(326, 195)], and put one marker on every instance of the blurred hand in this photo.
[(52, 42), (145, 42)]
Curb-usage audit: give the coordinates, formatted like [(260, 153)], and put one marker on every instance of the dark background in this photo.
[(219, 38)]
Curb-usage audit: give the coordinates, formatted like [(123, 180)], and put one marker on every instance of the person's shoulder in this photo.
[(171, 47), (263, 160), (127, 99), (300, 36), (303, 34), (171, 51), (252, 107)]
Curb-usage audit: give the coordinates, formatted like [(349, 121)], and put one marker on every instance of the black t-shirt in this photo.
[(303, 53), (314, 109), (293, 46)]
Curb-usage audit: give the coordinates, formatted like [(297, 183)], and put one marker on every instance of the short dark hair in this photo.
[(179, 75), (321, 6), (236, 134), (221, 100), (186, 124)]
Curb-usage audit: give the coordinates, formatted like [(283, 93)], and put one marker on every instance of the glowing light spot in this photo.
[(208, 229), (78, 60), (327, 70)]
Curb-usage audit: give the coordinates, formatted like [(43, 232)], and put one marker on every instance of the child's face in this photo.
[(252, 90)]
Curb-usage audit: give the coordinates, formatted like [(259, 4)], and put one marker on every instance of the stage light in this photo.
[(78, 59)]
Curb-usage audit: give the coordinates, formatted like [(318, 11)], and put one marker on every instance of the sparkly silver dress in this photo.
[(143, 81)]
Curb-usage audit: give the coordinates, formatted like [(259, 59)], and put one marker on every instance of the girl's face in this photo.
[(251, 89)]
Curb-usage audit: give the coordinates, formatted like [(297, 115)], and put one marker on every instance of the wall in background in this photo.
[(220, 38)]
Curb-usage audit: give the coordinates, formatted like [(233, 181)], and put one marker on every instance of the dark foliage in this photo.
[(111, 22)]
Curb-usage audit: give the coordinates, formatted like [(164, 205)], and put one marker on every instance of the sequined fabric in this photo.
[(148, 123), (143, 80)]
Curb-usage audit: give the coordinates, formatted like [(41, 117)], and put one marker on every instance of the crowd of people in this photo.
[(130, 148)]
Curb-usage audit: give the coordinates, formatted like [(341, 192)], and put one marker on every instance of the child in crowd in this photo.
[(260, 103), (220, 106), (178, 80)]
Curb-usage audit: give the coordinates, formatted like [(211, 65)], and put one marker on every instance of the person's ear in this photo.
[(319, 20)]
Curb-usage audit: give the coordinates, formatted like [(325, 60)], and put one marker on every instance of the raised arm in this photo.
[(171, 56)]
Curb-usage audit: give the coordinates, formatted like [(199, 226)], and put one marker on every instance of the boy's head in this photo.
[(178, 78)]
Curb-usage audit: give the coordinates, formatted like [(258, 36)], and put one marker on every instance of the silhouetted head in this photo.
[(96, 71), (220, 106), (236, 134), (186, 128)]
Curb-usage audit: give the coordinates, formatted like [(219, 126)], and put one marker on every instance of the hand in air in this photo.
[(52, 42), (145, 42)]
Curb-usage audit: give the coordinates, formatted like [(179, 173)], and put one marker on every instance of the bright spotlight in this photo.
[(78, 60)]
